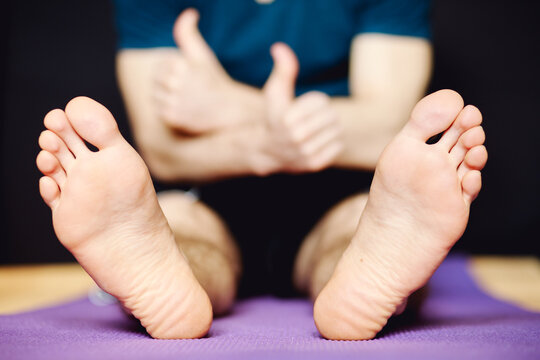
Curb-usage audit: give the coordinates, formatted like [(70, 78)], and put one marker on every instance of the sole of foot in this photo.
[(105, 212), (418, 207)]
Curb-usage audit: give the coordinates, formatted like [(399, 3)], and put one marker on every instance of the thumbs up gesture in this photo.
[(192, 92), (304, 132)]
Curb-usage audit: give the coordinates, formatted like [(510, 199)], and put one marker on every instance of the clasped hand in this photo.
[(194, 95)]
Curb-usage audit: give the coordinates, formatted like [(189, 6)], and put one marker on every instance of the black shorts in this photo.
[(269, 217)]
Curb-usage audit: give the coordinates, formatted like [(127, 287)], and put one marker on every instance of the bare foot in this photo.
[(418, 207), (105, 212)]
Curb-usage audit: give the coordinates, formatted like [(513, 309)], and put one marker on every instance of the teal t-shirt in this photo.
[(241, 32)]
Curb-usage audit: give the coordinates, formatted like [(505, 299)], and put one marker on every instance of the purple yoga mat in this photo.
[(457, 321)]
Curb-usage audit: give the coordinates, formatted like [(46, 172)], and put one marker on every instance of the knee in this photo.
[(185, 212)]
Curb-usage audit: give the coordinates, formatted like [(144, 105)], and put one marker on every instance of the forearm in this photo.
[(216, 156), (388, 75), (172, 156), (235, 150), (368, 126)]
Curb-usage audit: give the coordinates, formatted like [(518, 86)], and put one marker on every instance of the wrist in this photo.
[(262, 160), (249, 105)]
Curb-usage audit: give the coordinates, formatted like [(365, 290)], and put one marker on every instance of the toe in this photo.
[(49, 165), (476, 157), (466, 141), (48, 188), (93, 122), (57, 122), (50, 142), (434, 114), (468, 118), (471, 185)]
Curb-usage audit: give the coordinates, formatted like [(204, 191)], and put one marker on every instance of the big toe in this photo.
[(434, 114), (93, 122)]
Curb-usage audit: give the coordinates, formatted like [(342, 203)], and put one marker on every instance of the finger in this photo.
[(307, 105), (165, 105), (169, 72), (189, 40), (322, 139), (279, 88), (314, 124), (325, 157), (160, 97), (165, 83)]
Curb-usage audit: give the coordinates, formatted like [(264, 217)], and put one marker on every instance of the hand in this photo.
[(192, 91), (304, 134)]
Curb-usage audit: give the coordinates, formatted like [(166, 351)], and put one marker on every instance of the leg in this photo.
[(207, 244), (324, 245), (105, 212), (418, 207)]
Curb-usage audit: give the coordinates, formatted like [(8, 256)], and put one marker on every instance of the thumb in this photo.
[(279, 88), (189, 39)]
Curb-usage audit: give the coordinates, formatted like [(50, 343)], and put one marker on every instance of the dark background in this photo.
[(486, 50)]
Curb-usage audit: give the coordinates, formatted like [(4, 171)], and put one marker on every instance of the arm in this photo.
[(250, 147), (240, 130), (388, 75), (172, 156), (289, 135)]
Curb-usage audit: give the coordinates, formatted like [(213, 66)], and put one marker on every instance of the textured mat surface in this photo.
[(457, 321)]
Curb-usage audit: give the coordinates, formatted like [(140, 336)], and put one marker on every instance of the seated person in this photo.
[(172, 261)]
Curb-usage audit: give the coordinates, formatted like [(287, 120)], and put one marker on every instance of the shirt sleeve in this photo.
[(396, 17), (145, 24)]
